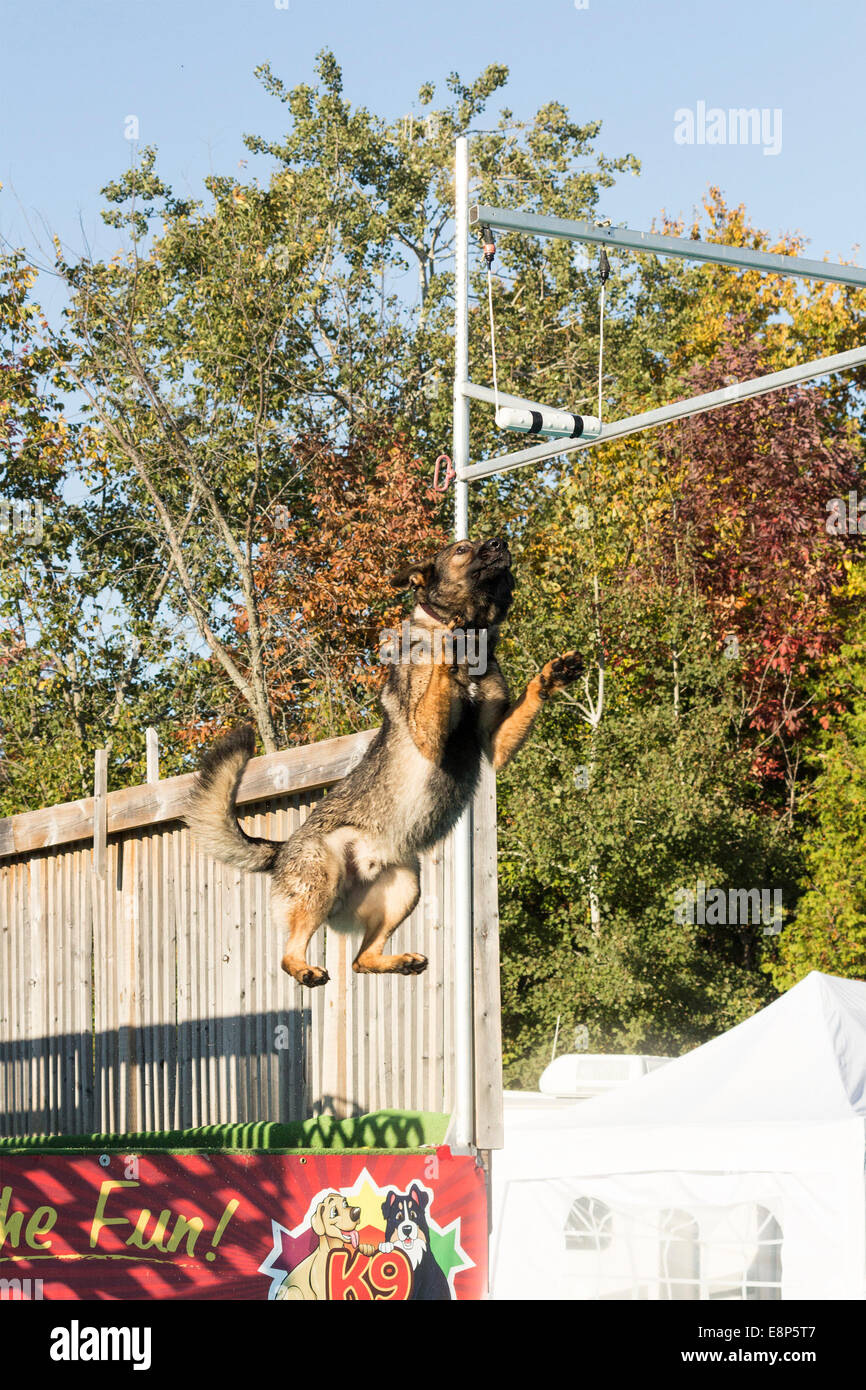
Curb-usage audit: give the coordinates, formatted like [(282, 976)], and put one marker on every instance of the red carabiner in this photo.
[(449, 474)]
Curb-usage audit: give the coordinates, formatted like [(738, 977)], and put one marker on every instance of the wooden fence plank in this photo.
[(100, 810)]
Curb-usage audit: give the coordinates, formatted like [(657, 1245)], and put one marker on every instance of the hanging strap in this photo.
[(489, 248), (604, 272), (492, 337)]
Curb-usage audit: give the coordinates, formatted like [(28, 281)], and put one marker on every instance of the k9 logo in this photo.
[(353, 1278)]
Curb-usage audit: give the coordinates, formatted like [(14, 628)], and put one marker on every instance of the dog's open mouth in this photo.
[(351, 1238)]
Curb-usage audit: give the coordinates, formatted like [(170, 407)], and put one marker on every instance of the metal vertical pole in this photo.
[(464, 1128)]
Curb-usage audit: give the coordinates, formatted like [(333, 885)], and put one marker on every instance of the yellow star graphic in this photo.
[(369, 1199)]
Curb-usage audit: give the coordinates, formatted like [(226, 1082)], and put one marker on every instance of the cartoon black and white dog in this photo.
[(406, 1229)]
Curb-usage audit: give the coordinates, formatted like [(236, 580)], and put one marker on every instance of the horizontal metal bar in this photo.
[(490, 397), (505, 220), (678, 410)]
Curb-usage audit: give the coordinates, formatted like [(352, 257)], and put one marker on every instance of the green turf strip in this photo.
[(384, 1129)]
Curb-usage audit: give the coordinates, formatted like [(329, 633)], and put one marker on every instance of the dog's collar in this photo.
[(437, 618)]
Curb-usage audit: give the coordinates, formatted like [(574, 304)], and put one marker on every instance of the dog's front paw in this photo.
[(561, 671)]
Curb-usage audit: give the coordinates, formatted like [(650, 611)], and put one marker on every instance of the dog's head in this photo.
[(336, 1222), (468, 583), (405, 1219)]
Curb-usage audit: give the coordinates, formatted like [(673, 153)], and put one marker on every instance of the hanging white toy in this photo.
[(553, 424)]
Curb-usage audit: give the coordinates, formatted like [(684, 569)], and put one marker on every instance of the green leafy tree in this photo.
[(829, 930)]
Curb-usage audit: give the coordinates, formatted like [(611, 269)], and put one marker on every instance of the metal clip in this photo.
[(449, 474)]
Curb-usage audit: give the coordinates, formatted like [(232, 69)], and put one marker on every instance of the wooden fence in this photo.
[(140, 981)]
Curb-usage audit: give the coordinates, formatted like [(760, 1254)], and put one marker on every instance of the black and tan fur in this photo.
[(354, 862)]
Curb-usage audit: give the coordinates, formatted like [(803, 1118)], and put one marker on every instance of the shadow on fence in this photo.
[(231, 1070)]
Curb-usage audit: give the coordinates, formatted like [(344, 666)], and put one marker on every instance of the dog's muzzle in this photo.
[(494, 555)]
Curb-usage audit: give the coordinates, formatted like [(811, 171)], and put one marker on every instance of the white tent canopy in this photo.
[(736, 1171)]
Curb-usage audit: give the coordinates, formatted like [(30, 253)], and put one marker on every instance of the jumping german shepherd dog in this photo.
[(354, 862)]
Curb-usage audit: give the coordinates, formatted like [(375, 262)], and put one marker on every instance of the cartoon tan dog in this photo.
[(336, 1225)]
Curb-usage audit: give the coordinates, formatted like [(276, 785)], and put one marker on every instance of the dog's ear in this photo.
[(413, 575), (389, 1203), (419, 1198), (319, 1219)]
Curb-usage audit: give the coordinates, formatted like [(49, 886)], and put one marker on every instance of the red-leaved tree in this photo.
[(747, 525), (323, 579)]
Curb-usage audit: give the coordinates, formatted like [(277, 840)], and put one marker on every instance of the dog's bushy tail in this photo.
[(211, 812)]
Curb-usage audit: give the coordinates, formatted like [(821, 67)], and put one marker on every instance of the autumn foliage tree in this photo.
[(324, 576), (745, 521), (698, 570)]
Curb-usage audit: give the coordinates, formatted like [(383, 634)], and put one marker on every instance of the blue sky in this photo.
[(73, 70)]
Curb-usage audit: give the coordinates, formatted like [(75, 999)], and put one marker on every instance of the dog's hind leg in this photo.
[(386, 903), (304, 897), (304, 920), (306, 887)]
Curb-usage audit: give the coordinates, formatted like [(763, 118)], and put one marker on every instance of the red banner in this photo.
[(365, 1227)]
